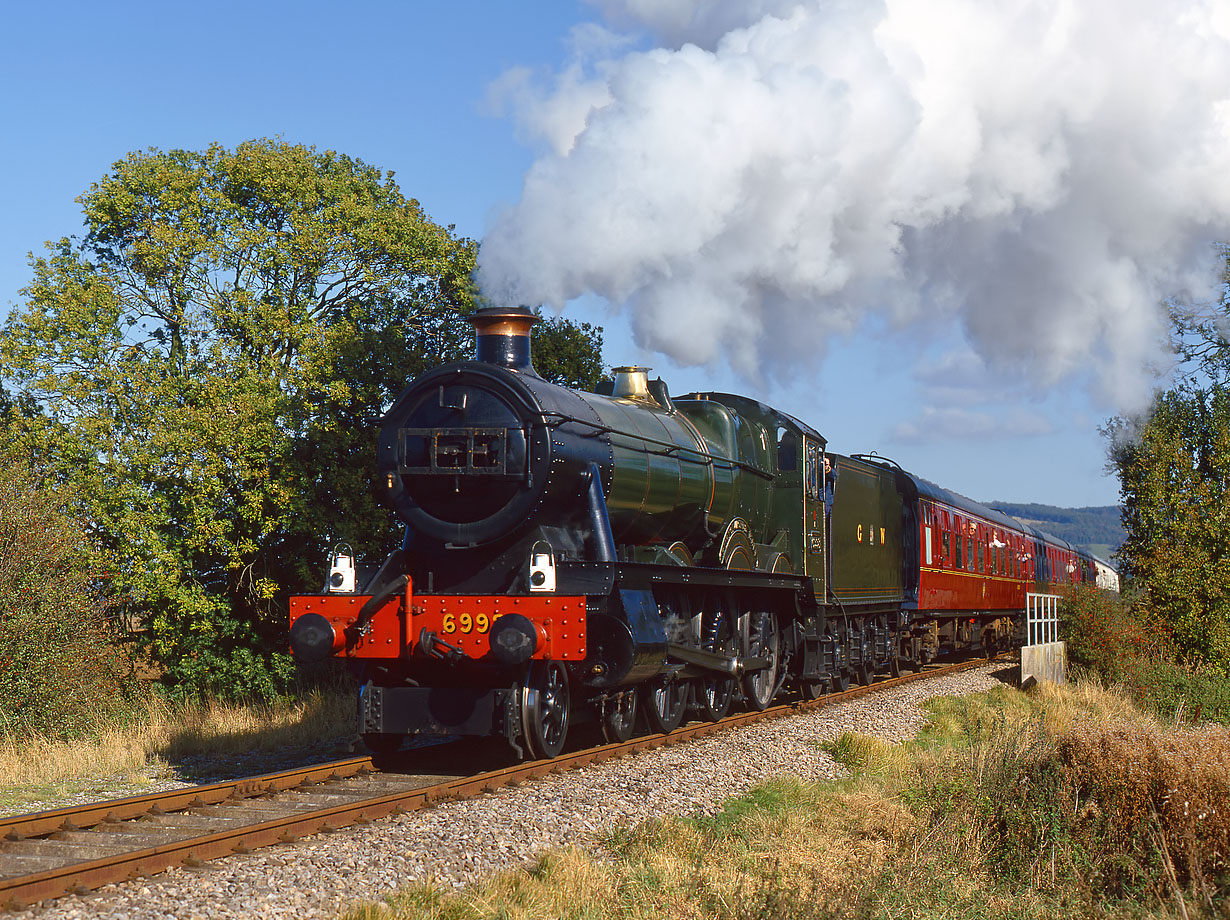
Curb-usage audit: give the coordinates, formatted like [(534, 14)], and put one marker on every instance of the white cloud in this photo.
[(957, 424), (1043, 175)]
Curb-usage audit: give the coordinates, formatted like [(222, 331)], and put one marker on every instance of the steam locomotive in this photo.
[(573, 556)]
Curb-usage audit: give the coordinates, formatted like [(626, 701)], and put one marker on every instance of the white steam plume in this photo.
[(1044, 171)]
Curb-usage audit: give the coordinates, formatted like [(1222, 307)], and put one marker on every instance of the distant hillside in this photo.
[(1098, 530)]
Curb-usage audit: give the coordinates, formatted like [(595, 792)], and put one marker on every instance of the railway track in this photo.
[(80, 848)]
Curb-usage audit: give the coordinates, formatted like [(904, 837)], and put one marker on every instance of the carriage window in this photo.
[(787, 450), (959, 561), (947, 549), (982, 556)]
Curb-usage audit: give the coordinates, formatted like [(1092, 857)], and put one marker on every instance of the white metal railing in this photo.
[(1042, 618)]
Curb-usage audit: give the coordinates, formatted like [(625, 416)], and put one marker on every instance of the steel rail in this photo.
[(78, 817), (19, 891)]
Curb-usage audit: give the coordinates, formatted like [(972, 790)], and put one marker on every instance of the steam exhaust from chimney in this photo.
[(1040, 174)]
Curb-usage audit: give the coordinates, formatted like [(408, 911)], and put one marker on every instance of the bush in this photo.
[(1173, 691), (58, 668), (1116, 640), (1106, 633)]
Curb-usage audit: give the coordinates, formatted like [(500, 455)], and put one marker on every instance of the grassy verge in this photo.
[(1061, 803), (157, 734)]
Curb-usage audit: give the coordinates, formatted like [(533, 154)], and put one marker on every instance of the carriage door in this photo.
[(815, 526)]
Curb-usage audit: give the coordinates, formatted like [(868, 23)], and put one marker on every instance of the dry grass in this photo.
[(1157, 795), (162, 732), (789, 849), (1008, 807)]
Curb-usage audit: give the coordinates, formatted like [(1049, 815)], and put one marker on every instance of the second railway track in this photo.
[(76, 849)]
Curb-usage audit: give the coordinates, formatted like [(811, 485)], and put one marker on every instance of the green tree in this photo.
[(1174, 470), (202, 371), (208, 360), (1174, 473), (568, 353), (58, 667)]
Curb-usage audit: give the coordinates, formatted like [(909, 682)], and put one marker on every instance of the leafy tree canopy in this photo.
[(58, 666), (203, 371), (568, 353), (1174, 471)]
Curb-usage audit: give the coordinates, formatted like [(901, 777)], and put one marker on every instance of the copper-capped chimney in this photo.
[(502, 336)]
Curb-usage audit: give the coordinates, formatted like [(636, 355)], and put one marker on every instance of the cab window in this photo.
[(787, 450)]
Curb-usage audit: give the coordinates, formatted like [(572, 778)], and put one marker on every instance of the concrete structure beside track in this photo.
[(1048, 661)]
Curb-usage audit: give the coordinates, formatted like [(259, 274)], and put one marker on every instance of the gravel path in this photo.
[(458, 841)]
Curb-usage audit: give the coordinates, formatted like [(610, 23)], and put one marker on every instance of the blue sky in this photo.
[(404, 86)]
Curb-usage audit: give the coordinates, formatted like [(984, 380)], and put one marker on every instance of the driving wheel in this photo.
[(763, 641), (667, 701)]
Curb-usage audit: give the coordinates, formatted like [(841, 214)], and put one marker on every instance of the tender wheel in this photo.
[(714, 694), (544, 709), (914, 661), (864, 674), (620, 717), (900, 659), (840, 681), (763, 641), (666, 703)]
